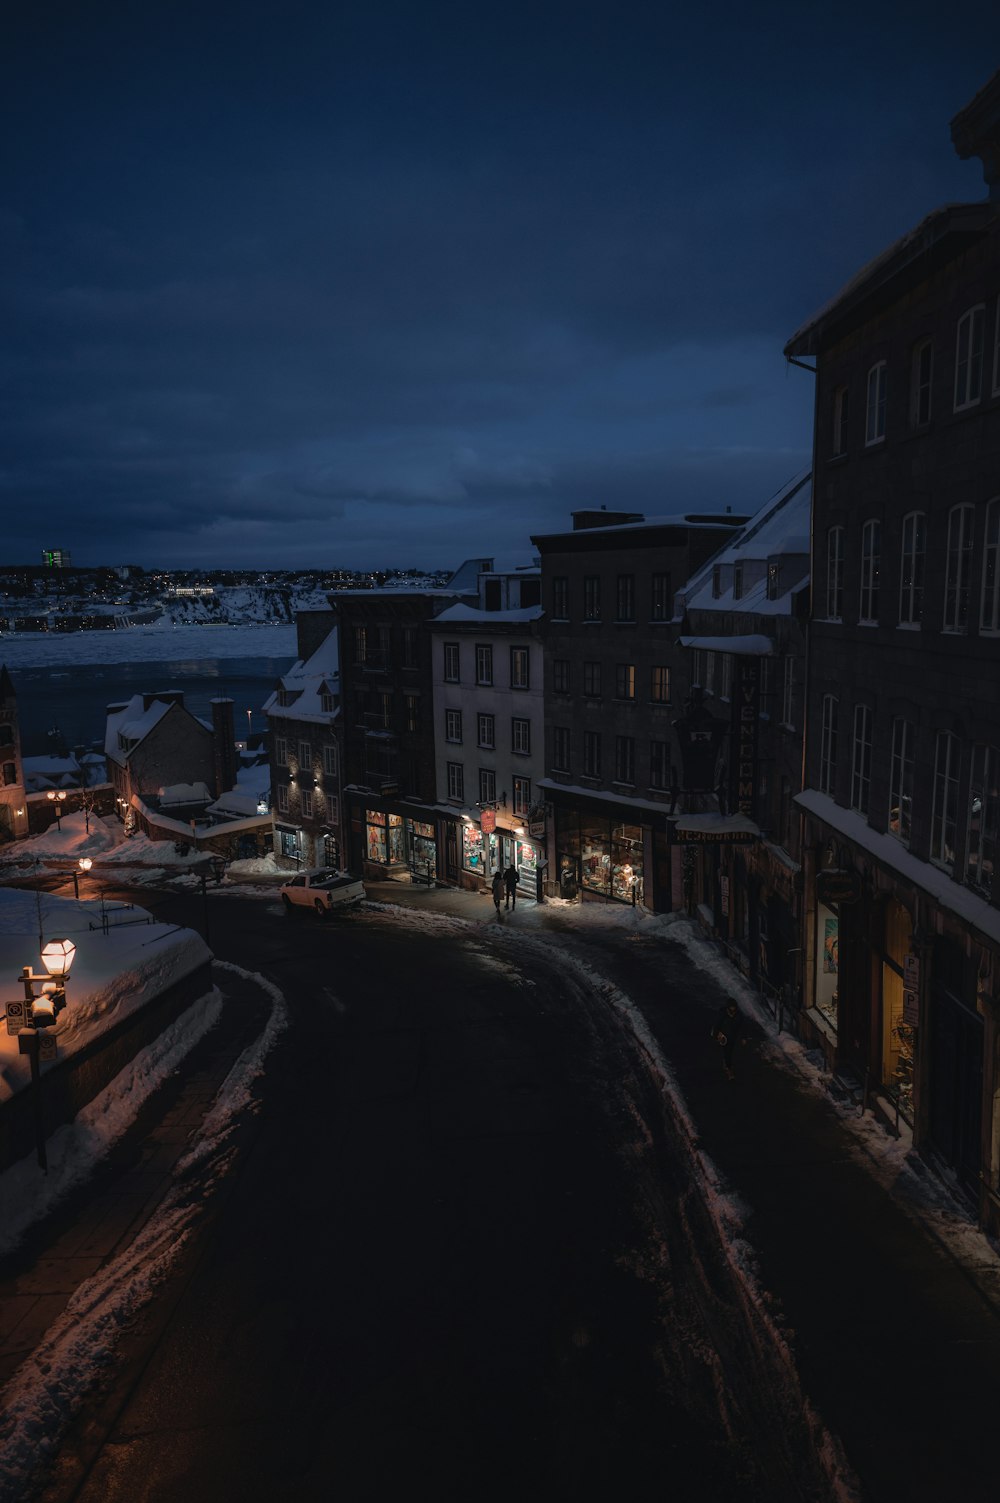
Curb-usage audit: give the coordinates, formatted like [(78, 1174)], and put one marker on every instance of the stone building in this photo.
[(304, 722), (610, 659), (902, 786), (153, 742)]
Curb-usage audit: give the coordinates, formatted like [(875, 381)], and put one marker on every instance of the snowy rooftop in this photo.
[(470, 613), (309, 680), (781, 528)]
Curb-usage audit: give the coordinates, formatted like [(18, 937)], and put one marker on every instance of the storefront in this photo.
[(288, 843), (598, 855), (421, 844), (495, 850)]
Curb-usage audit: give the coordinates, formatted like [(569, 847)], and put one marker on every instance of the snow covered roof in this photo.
[(780, 529), (184, 793), (306, 684), (708, 521), (132, 721), (754, 645), (458, 613), (694, 827), (914, 246), (235, 804)]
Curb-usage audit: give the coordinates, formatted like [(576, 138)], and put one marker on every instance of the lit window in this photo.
[(901, 780), (659, 690)]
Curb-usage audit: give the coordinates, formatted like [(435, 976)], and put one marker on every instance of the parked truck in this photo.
[(322, 889)]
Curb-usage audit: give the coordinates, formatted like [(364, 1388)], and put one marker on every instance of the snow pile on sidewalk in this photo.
[(113, 973), (69, 839)]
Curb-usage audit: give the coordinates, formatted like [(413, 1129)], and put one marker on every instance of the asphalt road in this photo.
[(453, 1256)]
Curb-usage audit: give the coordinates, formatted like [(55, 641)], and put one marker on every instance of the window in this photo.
[(920, 392), (625, 681), (659, 764), (659, 687), (411, 710), (281, 751), (911, 570), (958, 569), (282, 799), (453, 725), (698, 667), (861, 759), (487, 786), (560, 598), (773, 579), (787, 692), (726, 684), (522, 797), (305, 757), (519, 668), (484, 665), (945, 807), (989, 617), (591, 597), (456, 781), (520, 737), (660, 598), (360, 645), (969, 358), (451, 660), (625, 598), (307, 803), (330, 761), (828, 746), (409, 647), (592, 754), (560, 748), (984, 818), (560, 676), (592, 680), (996, 354), (875, 410), (737, 581), (332, 818), (871, 544), (383, 711), (835, 573), (624, 759), (328, 703), (485, 731), (841, 406), (901, 780)]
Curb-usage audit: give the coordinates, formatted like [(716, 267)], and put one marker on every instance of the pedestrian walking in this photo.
[(497, 889), (727, 1030), (510, 886)]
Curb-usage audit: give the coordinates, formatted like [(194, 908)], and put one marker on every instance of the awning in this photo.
[(706, 829)]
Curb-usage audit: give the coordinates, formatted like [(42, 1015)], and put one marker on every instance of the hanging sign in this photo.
[(838, 887), (488, 821), (911, 990)]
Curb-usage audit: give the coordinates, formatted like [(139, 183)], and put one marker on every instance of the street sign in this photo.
[(47, 1047), (17, 1016)]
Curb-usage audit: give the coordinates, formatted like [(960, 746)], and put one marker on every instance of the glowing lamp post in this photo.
[(58, 799), (44, 1000), (84, 865)]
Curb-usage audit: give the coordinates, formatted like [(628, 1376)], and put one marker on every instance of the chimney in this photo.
[(223, 746)]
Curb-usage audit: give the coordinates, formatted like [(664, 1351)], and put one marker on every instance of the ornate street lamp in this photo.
[(84, 865), (58, 799), (42, 1008)]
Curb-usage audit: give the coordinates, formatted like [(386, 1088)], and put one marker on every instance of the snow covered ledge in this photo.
[(126, 986)]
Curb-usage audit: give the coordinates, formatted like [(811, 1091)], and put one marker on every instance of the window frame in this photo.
[(871, 567), (484, 665), (989, 599), (560, 675), (486, 726), (659, 684), (521, 796), (974, 319), (911, 568), (453, 727), (861, 758), (944, 803), (875, 403), (659, 763), (560, 597), (921, 382), (592, 754), (828, 745), (836, 547), (487, 786), (520, 736), (520, 668), (625, 681), (592, 677), (958, 569), (841, 418), (660, 597), (330, 760), (455, 774), (281, 751), (901, 766), (592, 597), (561, 748), (625, 597), (452, 659), (625, 760)]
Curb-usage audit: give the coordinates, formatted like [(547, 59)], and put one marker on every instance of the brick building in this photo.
[(902, 789)]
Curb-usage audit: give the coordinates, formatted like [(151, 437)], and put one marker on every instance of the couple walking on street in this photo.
[(505, 886)]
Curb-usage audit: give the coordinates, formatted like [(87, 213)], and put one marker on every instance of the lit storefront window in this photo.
[(472, 849), (423, 845), (375, 822), (605, 858)]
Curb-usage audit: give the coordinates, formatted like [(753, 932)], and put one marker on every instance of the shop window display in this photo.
[(423, 845), (473, 849), (396, 850), (827, 963), (375, 822)]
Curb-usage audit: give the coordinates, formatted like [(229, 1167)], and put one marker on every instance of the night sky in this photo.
[(374, 284)]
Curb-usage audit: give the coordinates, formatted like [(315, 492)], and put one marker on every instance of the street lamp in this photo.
[(41, 1009), (58, 799), (84, 865)]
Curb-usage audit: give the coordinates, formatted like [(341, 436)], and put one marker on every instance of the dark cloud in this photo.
[(290, 284)]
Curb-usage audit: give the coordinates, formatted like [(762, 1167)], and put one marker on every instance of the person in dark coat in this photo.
[(727, 1030), (510, 886), (497, 889)]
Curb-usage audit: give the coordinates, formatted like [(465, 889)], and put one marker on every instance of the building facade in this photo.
[(304, 736), (489, 726), (13, 803), (610, 658), (902, 790)]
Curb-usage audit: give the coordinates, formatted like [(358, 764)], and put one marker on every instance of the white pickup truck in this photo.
[(321, 889)]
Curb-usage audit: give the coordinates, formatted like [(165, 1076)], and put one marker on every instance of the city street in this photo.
[(451, 1246)]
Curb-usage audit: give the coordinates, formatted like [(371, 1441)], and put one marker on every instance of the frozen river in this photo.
[(68, 682)]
